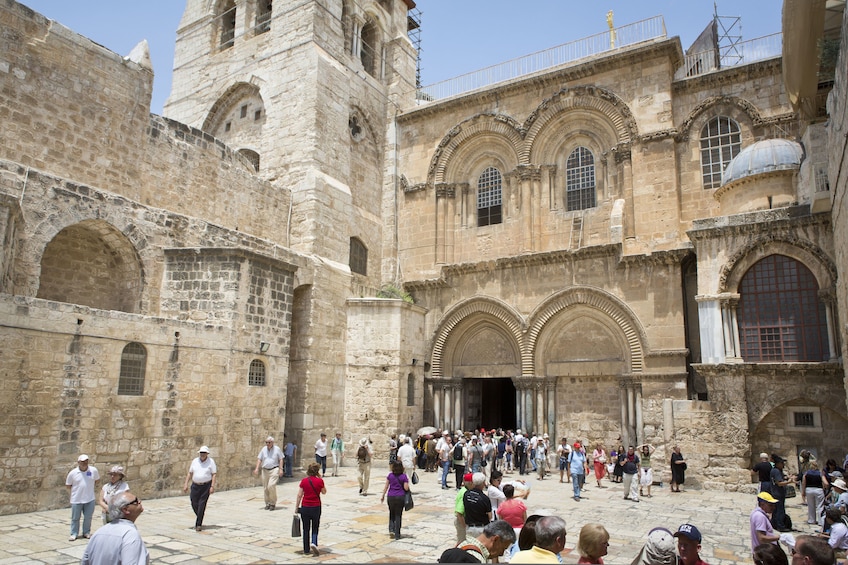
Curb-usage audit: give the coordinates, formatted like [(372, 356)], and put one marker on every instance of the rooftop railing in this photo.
[(741, 53), (644, 30)]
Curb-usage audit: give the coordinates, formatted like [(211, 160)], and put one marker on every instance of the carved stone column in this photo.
[(550, 400), (457, 404), (540, 406), (827, 296), (730, 327), (444, 220), (529, 176)]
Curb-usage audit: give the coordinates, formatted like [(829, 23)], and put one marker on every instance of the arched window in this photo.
[(228, 24), (256, 373), (580, 180), (489, 197), (133, 362), (720, 142), (263, 16), (368, 49), (410, 390), (358, 256), (781, 317), (251, 156)]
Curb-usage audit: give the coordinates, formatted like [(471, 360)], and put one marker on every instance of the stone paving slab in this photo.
[(354, 529)]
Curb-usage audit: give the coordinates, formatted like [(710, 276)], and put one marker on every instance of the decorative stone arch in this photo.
[(475, 310), (802, 250), (606, 305), (92, 263), (492, 126), (742, 111), (226, 101), (603, 102)]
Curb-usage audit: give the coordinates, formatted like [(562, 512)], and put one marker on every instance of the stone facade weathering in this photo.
[(577, 263)]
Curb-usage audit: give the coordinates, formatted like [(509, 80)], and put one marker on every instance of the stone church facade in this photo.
[(575, 262)]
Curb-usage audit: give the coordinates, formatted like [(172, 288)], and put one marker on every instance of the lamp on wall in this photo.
[(263, 346)]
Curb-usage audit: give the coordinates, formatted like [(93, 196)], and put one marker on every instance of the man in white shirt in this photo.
[(271, 460), (80, 483), (406, 455), (118, 542), (838, 538), (321, 453), (202, 474)]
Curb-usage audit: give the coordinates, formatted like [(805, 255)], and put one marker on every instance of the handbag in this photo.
[(408, 503), (790, 491), (414, 478), (296, 526)]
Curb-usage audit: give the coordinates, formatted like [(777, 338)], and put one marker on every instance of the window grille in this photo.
[(256, 373), (804, 419), (131, 378), (780, 315), (580, 180), (358, 256), (720, 143), (489, 197)]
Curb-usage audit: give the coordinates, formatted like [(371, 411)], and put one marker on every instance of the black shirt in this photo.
[(477, 507), (763, 469)]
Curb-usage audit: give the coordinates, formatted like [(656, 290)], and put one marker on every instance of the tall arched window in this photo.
[(368, 49), (256, 373), (489, 192), (133, 362), (263, 16), (358, 256), (781, 317), (720, 142), (228, 24), (580, 180)]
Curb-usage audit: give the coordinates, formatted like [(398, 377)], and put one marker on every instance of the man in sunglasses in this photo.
[(119, 540)]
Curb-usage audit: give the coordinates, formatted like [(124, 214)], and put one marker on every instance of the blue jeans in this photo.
[(445, 471), (323, 462), (86, 509), (287, 467), (311, 517), (577, 483)]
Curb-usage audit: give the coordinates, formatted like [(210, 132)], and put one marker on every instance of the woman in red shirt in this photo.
[(309, 507), (512, 510)]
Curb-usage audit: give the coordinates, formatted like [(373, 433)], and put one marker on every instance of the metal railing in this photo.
[(644, 30), (741, 53)]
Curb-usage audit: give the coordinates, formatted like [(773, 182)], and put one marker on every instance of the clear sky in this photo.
[(457, 36)]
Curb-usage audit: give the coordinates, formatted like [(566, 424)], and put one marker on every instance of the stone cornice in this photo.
[(731, 75), (791, 370), (725, 188), (778, 220), (552, 78), (668, 257), (668, 353), (231, 252)]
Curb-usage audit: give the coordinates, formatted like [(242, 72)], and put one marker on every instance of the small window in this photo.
[(410, 390), (720, 143), (257, 115), (251, 156), (228, 24), (133, 362), (804, 420), (228, 126), (489, 192), (263, 16), (244, 111), (256, 373), (580, 180), (358, 256)]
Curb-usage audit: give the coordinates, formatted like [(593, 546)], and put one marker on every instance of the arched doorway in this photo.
[(489, 403)]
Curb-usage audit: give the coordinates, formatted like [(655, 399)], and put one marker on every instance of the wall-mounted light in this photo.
[(264, 346)]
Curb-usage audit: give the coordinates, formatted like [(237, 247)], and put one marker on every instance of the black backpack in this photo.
[(457, 452), (362, 453)]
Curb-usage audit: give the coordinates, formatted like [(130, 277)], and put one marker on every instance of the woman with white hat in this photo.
[(115, 486)]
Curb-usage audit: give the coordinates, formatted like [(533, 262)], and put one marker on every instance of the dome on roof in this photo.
[(763, 157)]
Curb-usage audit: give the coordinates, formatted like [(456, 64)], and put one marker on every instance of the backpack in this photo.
[(362, 453), (457, 452), (519, 447)]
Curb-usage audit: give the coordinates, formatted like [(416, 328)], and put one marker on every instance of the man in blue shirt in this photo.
[(579, 468)]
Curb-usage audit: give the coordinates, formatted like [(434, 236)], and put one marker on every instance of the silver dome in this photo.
[(763, 157)]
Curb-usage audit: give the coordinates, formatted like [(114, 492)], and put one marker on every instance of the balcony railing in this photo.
[(644, 30), (741, 53)]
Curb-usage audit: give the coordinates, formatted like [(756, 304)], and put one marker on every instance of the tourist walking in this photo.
[(364, 454), (270, 459), (114, 487), (118, 542), (779, 481), (289, 453), (599, 462), (579, 468), (201, 474), (630, 468), (619, 455), (321, 453), (646, 476), (813, 485), (678, 469), (80, 483), (308, 505), (460, 456), (337, 449), (394, 494), (445, 452)]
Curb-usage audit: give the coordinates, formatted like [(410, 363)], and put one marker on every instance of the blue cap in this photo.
[(689, 531)]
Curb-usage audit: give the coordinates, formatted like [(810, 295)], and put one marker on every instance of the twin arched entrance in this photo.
[(568, 368)]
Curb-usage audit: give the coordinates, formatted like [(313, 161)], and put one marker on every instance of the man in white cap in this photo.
[(840, 488), (119, 540), (201, 473), (761, 528), (364, 453), (270, 458), (80, 483)]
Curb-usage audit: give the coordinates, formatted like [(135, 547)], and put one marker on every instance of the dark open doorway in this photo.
[(489, 403)]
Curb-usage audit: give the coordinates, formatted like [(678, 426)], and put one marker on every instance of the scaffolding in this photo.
[(413, 29)]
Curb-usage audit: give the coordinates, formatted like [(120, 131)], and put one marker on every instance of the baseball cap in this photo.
[(767, 497), (82, 457), (203, 449), (689, 531), (467, 477)]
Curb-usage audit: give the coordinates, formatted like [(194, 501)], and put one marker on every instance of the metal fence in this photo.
[(741, 53), (644, 30)]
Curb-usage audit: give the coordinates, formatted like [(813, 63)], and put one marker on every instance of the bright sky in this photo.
[(457, 36)]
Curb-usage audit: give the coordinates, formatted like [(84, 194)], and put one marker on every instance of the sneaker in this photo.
[(271, 507), (314, 549), (72, 538), (86, 536)]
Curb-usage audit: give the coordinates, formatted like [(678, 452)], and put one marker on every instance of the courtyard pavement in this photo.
[(354, 529)]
